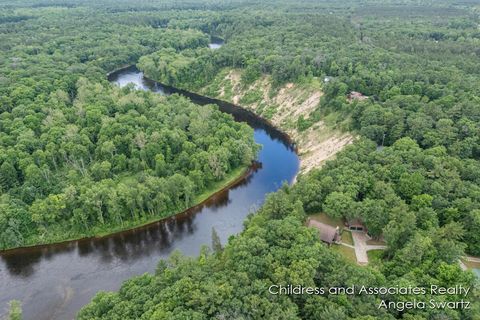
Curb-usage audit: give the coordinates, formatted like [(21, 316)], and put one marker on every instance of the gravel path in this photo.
[(360, 241), (361, 247)]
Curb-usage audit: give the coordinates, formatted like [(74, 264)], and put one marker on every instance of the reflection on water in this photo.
[(216, 43), (55, 281), (128, 245), (132, 76)]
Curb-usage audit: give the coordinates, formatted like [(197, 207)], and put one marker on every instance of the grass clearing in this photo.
[(347, 237), (347, 252), (373, 242), (323, 218)]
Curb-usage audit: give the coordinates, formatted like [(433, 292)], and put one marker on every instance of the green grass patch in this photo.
[(323, 218), (373, 242), (272, 92), (347, 237), (347, 252)]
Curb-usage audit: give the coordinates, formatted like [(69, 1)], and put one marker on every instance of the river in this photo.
[(215, 43), (55, 281)]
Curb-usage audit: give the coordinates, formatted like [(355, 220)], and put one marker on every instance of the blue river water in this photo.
[(55, 281)]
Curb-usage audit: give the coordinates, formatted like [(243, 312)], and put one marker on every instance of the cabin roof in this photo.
[(354, 95), (327, 233)]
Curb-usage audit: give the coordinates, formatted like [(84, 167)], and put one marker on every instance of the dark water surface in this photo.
[(55, 281), (215, 43)]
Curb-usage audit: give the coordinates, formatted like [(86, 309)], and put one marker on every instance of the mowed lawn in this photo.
[(323, 218), (347, 252)]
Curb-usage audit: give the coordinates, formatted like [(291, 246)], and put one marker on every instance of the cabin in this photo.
[(354, 95), (356, 225), (328, 234)]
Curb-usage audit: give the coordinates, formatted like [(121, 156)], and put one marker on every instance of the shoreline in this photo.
[(268, 122), (312, 153), (287, 136), (124, 66), (227, 185), (217, 101)]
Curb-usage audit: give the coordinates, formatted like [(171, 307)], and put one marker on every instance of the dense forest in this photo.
[(289, 48), (412, 175), (80, 158), (276, 248), (420, 73)]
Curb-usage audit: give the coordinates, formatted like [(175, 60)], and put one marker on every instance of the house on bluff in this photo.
[(328, 234)]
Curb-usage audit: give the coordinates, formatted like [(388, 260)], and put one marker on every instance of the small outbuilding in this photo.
[(354, 95), (356, 224), (328, 234)]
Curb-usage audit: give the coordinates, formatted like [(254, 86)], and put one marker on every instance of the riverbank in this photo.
[(238, 112), (233, 178), (84, 267), (284, 108)]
